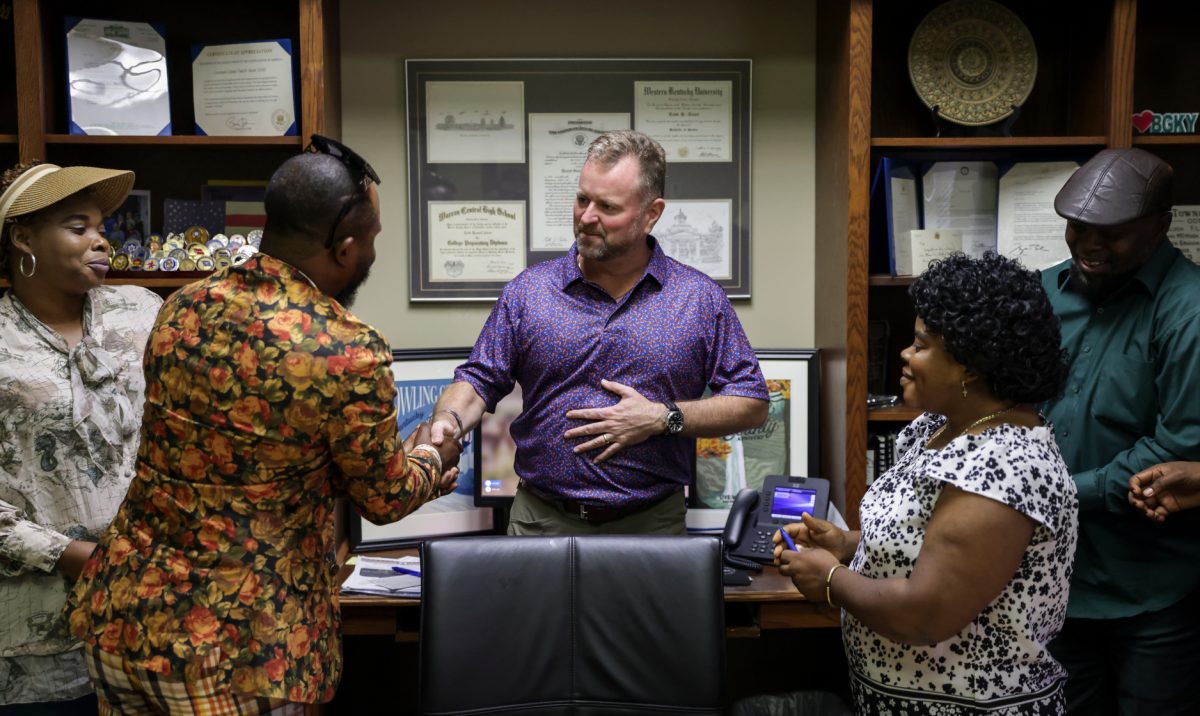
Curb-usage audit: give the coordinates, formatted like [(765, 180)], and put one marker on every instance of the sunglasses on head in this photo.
[(362, 173)]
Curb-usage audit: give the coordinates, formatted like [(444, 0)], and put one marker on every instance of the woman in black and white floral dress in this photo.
[(959, 575)]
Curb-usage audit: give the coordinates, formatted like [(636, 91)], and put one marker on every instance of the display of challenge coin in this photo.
[(168, 264), (254, 237), (120, 262), (150, 265), (195, 251), (205, 263), (240, 258), (221, 254), (223, 262), (236, 242), (187, 265)]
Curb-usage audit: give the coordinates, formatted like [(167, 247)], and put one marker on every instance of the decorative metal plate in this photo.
[(973, 60)]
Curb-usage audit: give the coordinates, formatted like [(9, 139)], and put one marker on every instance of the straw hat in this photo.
[(46, 184)]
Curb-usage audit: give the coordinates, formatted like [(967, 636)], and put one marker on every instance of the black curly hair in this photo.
[(995, 318)]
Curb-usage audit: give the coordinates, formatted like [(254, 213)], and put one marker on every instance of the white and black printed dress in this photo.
[(998, 665)]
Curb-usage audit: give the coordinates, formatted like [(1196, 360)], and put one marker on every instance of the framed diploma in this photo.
[(495, 148), (117, 78), (244, 89), (420, 376)]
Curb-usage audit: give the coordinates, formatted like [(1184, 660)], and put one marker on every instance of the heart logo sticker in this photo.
[(1142, 120)]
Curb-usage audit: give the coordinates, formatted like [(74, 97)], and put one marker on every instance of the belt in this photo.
[(592, 514)]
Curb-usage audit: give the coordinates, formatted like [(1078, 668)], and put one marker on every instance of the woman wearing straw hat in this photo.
[(70, 404)]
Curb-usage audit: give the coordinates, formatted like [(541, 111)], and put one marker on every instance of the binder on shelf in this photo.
[(895, 210)]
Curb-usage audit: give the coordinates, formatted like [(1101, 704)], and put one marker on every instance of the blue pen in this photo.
[(406, 570), (787, 539)]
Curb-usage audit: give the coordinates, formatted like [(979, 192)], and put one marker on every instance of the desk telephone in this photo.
[(753, 518)]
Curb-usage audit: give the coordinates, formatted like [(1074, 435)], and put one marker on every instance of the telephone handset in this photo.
[(754, 517)]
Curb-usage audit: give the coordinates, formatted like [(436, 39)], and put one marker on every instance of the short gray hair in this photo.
[(611, 147)]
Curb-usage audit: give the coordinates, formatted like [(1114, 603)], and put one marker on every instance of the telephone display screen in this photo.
[(788, 503)]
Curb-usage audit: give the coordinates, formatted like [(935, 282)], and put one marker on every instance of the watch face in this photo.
[(674, 422)]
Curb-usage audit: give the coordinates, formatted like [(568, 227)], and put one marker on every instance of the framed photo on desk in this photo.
[(421, 375)]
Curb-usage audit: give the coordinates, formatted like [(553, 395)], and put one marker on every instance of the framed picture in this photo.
[(495, 148), (130, 220), (421, 376), (496, 451), (788, 443)]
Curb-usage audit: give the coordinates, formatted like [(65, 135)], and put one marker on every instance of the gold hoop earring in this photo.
[(21, 266), (964, 387)]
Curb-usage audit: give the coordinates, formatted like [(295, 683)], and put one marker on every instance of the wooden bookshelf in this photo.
[(1082, 102)]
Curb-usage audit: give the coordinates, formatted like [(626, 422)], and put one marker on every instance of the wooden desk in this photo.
[(770, 601)]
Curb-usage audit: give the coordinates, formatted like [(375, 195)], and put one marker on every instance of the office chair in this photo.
[(593, 626)]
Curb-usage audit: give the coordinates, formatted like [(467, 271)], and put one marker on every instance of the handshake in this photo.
[(440, 445)]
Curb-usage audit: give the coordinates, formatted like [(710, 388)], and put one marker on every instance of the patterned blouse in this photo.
[(999, 662), (265, 401), (68, 433)]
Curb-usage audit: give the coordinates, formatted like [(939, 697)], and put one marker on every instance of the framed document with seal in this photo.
[(117, 78), (513, 135), (244, 89)]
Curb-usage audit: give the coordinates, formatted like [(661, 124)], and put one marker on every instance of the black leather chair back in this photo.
[(590, 626)]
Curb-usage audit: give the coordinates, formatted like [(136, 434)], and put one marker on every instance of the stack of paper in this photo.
[(379, 576)]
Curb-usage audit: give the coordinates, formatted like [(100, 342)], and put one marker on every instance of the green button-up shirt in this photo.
[(1132, 400)]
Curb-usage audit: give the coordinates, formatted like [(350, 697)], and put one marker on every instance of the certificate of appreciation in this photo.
[(244, 89), (557, 148), (117, 73), (693, 121), (476, 241)]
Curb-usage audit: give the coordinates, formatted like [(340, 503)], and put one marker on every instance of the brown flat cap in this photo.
[(1116, 186)]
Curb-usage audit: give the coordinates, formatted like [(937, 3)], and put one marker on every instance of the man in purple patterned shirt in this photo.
[(613, 345)]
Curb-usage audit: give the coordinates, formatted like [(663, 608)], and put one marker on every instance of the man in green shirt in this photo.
[(1130, 308)]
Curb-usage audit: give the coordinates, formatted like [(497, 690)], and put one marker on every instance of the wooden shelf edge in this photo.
[(898, 413), (177, 140), (1168, 139), (987, 142), (882, 279), (8, 139)]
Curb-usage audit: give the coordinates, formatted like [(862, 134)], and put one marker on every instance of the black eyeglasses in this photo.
[(363, 173)]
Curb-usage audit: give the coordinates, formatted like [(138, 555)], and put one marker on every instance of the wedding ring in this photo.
[(607, 439)]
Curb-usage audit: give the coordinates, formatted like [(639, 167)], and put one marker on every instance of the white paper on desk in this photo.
[(1027, 227), (962, 195), (374, 575), (1185, 231)]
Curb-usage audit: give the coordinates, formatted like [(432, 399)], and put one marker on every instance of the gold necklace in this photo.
[(967, 429)]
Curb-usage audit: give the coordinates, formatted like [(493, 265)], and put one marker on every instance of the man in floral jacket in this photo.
[(266, 399)]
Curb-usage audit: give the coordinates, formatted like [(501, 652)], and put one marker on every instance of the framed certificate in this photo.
[(244, 89), (512, 136), (117, 78)]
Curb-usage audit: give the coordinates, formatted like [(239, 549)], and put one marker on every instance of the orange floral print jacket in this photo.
[(265, 401)]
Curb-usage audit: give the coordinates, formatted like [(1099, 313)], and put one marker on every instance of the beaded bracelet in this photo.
[(433, 454), (829, 581)]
